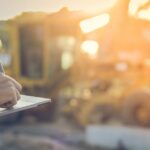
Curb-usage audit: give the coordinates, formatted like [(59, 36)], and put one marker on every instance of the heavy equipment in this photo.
[(40, 48), (100, 73), (113, 84)]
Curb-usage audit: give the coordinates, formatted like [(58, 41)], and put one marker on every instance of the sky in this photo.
[(11, 8)]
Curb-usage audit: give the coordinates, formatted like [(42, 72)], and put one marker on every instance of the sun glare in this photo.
[(144, 14), (134, 5), (90, 47), (94, 23)]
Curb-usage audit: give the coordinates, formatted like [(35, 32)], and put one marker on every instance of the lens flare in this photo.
[(94, 23), (134, 5), (90, 47), (144, 14)]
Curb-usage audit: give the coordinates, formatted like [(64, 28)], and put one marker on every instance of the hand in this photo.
[(9, 91)]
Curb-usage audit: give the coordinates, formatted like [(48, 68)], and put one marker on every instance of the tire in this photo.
[(96, 114), (136, 108)]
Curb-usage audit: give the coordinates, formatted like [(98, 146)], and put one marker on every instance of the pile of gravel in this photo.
[(11, 141)]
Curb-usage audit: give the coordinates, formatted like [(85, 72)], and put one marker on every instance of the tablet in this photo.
[(26, 102)]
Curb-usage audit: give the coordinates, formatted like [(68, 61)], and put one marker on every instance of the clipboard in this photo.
[(26, 102)]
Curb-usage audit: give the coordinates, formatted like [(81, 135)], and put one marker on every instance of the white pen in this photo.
[(2, 69)]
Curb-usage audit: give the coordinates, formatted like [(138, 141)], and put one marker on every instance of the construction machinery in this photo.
[(41, 49), (100, 71), (114, 83)]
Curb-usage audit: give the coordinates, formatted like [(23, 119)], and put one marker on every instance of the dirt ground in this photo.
[(42, 137)]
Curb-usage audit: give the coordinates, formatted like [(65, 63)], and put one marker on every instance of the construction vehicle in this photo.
[(46, 53), (37, 44), (114, 84), (42, 48)]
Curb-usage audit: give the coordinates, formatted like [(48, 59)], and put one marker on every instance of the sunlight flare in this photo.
[(90, 47), (94, 23)]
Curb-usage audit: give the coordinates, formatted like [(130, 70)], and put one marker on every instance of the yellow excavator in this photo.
[(44, 53), (113, 85), (38, 50)]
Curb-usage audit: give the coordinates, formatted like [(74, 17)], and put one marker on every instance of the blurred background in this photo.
[(92, 57)]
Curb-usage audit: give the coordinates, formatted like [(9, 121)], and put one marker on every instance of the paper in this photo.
[(26, 102)]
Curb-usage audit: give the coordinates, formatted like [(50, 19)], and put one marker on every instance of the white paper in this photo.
[(26, 102)]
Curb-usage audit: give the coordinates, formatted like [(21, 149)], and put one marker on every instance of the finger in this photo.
[(10, 84), (8, 81), (5, 81), (7, 90), (3, 78), (5, 94), (17, 85), (7, 105), (14, 96), (8, 95), (18, 95), (6, 84)]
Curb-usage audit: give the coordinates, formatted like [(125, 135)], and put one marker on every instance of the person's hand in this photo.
[(9, 91)]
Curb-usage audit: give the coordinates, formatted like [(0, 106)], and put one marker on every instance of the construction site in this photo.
[(94, 67)]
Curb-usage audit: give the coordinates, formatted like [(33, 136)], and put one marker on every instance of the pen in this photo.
[(2, 69)]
